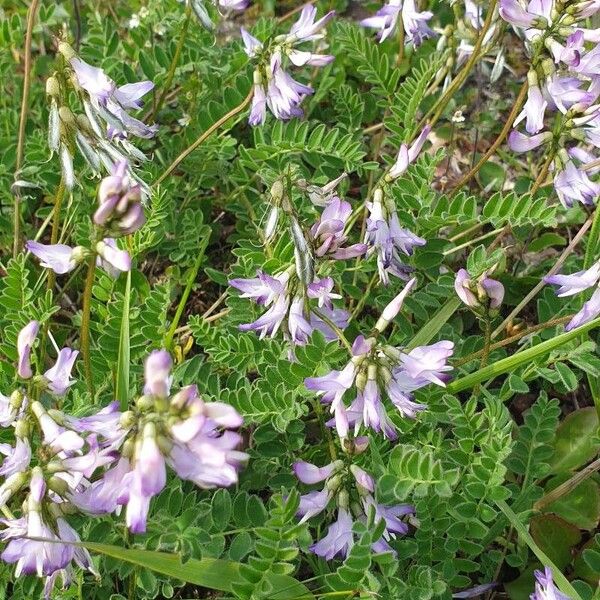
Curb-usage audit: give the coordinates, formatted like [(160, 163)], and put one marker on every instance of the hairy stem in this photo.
[(31, 13), (191, 278), (234, 111), (440, 105), (497, 142), (85, 322)]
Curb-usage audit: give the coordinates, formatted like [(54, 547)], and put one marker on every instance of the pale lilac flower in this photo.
[(234, 4), (306, 28), (263, 289), (157, 374), (589, 63), (59, 438), (328, 236), (573, 185), (58, 377), (299, 327), (8, 412), (515, 14), (312, 504), (309, 473), (112, 259), (545, 588), (58, 257), (110, 102), (576, 282), (406, 156), (120, 211), (590, 310), (428, 362), (258, 110), (339, 539), (269, 323), (388, 239), (462, 286), (570, 54), (414, 22), (321, 290), (494, 290), (338, 316), (519, 142), (565, 92), (533, 111), (399, 389), (284, 94), (17, 458), (393, 525), (368, 410), (587, 8), (25, 341), (251, 45)]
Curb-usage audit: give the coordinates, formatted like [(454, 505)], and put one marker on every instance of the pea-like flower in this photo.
[(273, 86)]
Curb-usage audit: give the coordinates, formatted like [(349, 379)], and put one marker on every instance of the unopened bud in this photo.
[(12, 484), (66, 50), (272, 221), (52, 87), (277, 191), (343, 499), (144, 402), (393, 308)]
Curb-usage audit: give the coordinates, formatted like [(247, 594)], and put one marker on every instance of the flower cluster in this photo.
[(569, 285), (349, 490), (59, 463), (412, 21), (482, 293), (103, 133), (273, 86), (298, 300), (376, 369), (192, 436), (119, 213), (545, 588), (384, 235), (563, 78)]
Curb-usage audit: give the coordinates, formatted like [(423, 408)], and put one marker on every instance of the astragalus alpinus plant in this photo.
[(298, 300)]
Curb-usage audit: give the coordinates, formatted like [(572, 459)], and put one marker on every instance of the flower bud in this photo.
[(52, 87), (393, 308), (67, 116), (277, 191), (66, 50)]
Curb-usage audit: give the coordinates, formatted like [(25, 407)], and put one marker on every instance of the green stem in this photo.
[(85, 322), (561, 581), (234, 111), (174, 63), (191, 278), (335, 328), (512, 362), (60, 194), (497, 143)]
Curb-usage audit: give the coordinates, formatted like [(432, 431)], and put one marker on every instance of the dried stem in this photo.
[(234, 111), (85, 322), (31, 13)]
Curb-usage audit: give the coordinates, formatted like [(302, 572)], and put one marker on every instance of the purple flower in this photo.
[(576, 282), (263, 289), (284, 94), (338, 316), (519, 142), (388, 239), (321, 290), (120, 211), (327, 234), (8, 412), (112, 259), (587, 8), (58, 377), (258, 110), (312, 504), (17, 458), (234, 4), (306, 28), (570, 54), (533, 111), (573, 185), (339, 539), (393, 525), (110, 102), (406, 156), (309, 473), (462, 287), (299, 327), (545, 588), (494, 290), (58, 257), (157, 374), (368, 410), (590, 310), (565, 92), (414, 22), (400, 389), (515, 14), (428, 363), (270, 322), (60, 439), (25, 341)]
